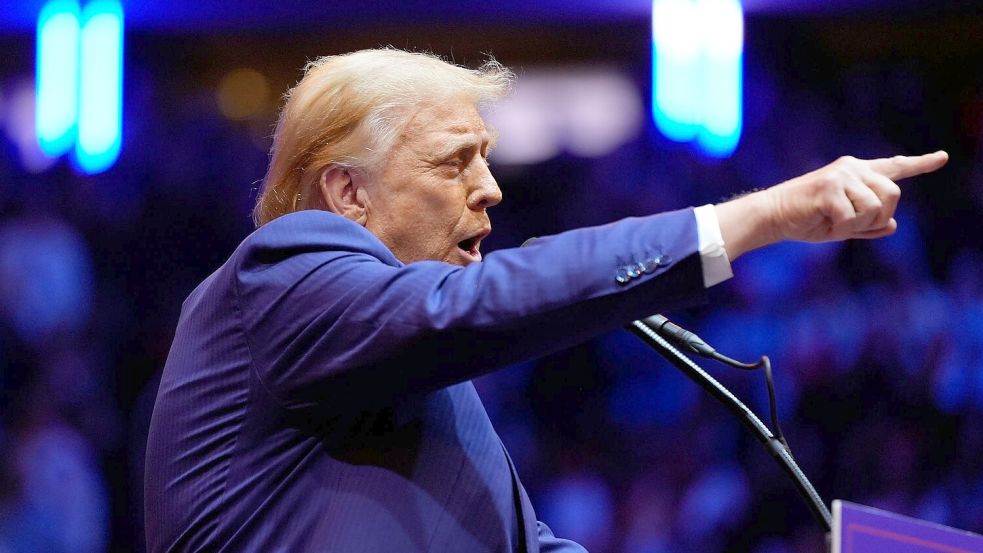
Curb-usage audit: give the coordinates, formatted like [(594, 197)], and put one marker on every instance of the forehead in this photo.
[(435, 121)]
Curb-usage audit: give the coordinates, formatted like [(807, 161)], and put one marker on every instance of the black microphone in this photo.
[(671, 331), (658, 332)]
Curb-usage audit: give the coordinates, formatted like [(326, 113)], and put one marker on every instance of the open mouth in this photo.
[(471, 246)]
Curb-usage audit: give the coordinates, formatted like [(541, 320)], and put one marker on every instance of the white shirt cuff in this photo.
[(713, 256)]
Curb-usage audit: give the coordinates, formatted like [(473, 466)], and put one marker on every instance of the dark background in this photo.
[(877, 346)]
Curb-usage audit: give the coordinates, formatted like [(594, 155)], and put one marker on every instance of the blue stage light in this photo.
[(675, 73), (723, 53), (697, 73), (100, 86), (56, 111)]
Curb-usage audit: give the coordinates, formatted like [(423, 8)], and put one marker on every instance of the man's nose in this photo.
[(486, 192)]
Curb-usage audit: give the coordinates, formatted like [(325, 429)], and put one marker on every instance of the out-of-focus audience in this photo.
[(877, 347)]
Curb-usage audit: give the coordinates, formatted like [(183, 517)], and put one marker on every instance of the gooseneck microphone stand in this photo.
[(650, 330)]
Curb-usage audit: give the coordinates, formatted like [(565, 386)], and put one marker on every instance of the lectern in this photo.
[(860, 529)]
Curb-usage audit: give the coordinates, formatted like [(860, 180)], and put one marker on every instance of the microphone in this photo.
[(671, 331), (659, 332)]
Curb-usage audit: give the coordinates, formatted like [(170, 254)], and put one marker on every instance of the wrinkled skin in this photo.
[(435, 188)]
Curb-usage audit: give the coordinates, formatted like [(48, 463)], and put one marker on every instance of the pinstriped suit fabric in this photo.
[(317, 395)]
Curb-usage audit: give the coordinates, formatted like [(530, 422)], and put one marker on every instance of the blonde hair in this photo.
[(347, 111)]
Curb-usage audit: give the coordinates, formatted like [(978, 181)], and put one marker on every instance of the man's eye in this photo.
[(455, 163)]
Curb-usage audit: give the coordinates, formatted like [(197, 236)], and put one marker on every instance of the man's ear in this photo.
[(340, 193)]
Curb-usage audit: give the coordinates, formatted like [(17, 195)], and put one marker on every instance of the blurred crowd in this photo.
[(877, 346)]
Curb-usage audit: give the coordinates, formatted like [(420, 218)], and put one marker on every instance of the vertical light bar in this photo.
[(722, 71), (697, 73), (100, 86), (675, 73), (57, 77)]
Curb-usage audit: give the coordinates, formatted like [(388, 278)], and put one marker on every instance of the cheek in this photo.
[(424, 234), (441, 209), (423, 219)]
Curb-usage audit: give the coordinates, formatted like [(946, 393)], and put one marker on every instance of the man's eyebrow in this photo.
[(454, 145)]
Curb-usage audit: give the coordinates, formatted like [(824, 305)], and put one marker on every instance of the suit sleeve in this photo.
[(330, 317), (548, 543)]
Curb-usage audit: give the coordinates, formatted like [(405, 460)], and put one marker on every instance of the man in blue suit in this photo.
[(317, 395)]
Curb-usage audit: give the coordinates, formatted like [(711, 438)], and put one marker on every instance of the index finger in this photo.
[(902, 167)]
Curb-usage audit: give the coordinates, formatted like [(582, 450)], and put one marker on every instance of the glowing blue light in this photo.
[(723, 50), (57, 77), (697, 73), (676, 56), (101, 86)]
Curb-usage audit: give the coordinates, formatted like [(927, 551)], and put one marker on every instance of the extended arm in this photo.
[(331, 317)]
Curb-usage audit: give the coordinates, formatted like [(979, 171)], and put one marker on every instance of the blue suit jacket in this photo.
[(317, 395)]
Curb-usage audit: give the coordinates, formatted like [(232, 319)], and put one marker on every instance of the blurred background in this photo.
[(877, 346)]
